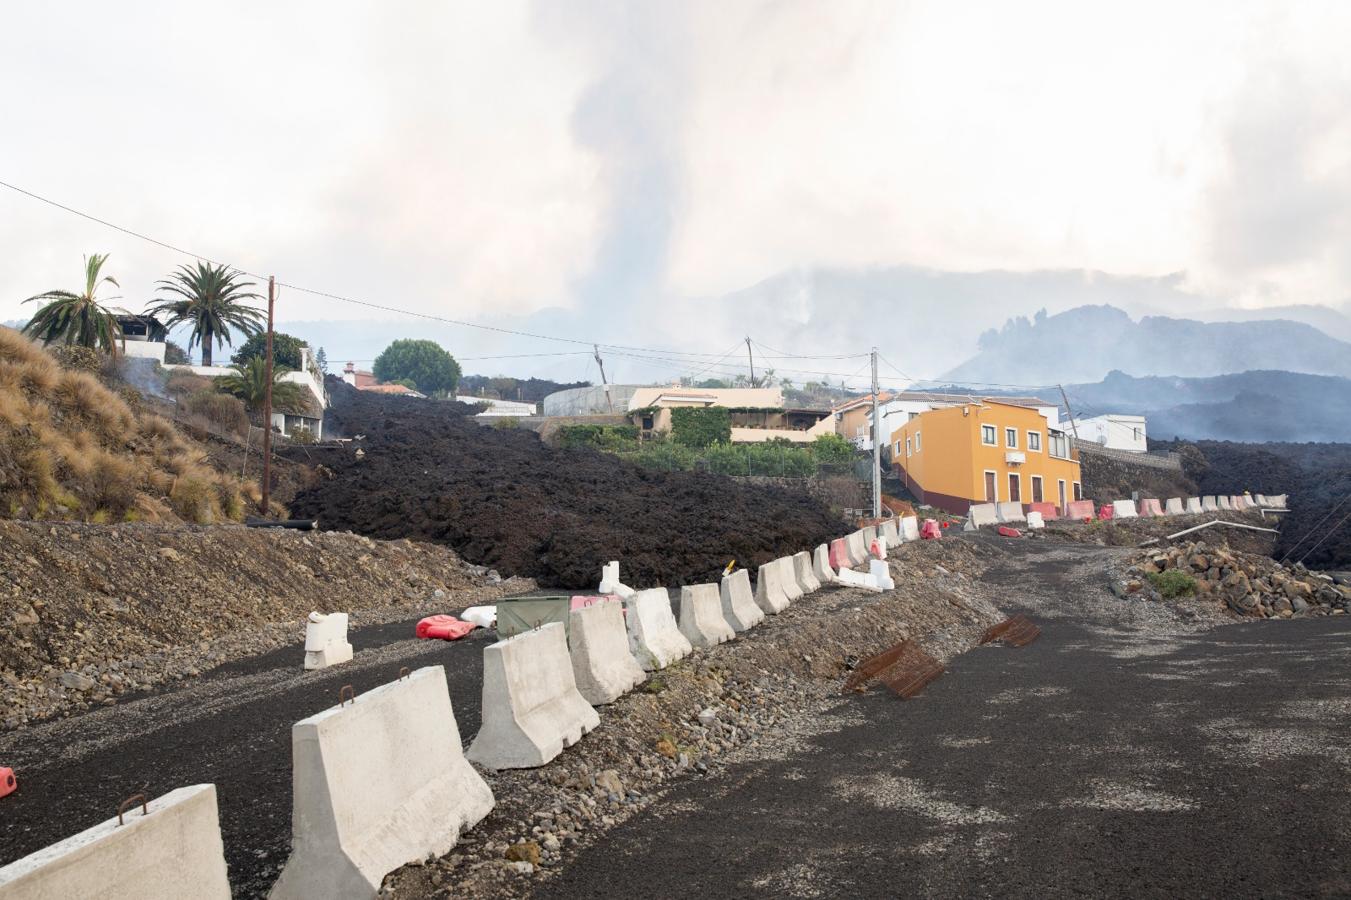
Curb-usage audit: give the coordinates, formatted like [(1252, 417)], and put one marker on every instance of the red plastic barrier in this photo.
[(875, 548), (1048, 511), (444, 628), (8, 784), (1006, 531), (1106, 511), (930, 531), (1150, 508), (839, 554), (1079, 509)]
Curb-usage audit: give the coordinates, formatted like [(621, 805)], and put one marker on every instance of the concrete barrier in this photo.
[(701, 618), (1174, 507), (381, 782), (869, 535), (891, 533), (1193, 505), (1244, 501), (602, 664), (610, 583), (839, 554), (172, 851), (1261, 500), (738, 603), (788, 578), (1034, 520), (326, 640), (769, 593), (1150, 507), (821, 566), (1208, 504), (910, 528), (1223, 502), (850, 578), (881, 573), (802, 567), (1049, 512), (1079, 509), (858, 550), (531, 707), (1123, 509), (1010, 511), (982, 514), (1278, 501), (654, 636)]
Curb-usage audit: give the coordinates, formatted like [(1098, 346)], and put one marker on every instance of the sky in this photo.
[(623, 172)]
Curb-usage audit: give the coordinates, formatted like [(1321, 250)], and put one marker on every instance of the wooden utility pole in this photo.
[(1069, 412), (751, 358), (877, 446), (267, 399), (605, 385)]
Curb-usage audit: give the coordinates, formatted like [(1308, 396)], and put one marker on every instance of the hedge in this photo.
[(701, 426)]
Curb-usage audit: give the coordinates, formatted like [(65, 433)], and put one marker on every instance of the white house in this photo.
[(499, 407), (310, 419), (1113, 431)]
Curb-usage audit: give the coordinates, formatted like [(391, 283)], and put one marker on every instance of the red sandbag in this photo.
[(444, 628), (1006, 531), (1106, 511), (930, 531), (7, 782)]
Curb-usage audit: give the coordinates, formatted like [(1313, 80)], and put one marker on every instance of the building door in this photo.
[(1036, 488), (990, 496), (1062, 496), (1015, 488)]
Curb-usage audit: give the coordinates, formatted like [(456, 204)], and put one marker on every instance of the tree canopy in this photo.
[(210, 299), (425, 363), (285, 350), (73, 318)]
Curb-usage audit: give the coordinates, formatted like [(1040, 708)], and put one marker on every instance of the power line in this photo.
[(1330, 513), (1330, 532)]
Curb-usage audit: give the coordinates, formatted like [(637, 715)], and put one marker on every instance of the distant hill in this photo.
[(1085, 343)]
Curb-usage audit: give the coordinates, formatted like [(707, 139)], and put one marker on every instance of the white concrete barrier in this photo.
[(981, 514), (1223, 502), (1123, 509), (610, 583), (1261, 500), (891, 533), (326, 640), (701, 618), (172, 851), (769, 592), (654, 636), (1193, 505), (910, 528), (1010, 511), (1034, 520), (821, 565), (788, 578), (602, 664), (850, 578), (858, 549), (1174, 507), (377, 783), (1208, 504), (880, 572), (802, 567), (1278, 501), (531, 707), (738, 603), (1245, 501)]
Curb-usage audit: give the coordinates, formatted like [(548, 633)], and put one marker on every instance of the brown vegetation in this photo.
[(72, 448)]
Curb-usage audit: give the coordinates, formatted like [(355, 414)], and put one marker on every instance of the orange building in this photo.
[(985, 451)]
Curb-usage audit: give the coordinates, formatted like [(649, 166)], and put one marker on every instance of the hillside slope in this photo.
[(72, 448)]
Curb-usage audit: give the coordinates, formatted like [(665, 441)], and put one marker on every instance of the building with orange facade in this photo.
[(985, 451)]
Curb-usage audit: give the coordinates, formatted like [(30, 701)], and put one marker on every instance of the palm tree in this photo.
[(78, 318), (211, 298), (248, 382)]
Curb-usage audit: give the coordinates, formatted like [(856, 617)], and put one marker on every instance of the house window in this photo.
[(898, 448), (1011, 438), (1034, 440), (987, 435), (913, 415), (1036, 489), (1137, 433), (907, 446), (917, 448), (1059, 445), (1015, 487), (647, 423), (1061, 486), (1078, 491)]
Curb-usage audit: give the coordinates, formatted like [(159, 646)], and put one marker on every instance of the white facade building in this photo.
[(1115, 432), (498, 407)]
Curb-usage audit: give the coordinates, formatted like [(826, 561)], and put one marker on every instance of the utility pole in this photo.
[(605, 384), (751, 358), (877, 447), (267, 399), (1069, 412)]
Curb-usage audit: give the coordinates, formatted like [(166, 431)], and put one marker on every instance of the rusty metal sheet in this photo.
[(911, 672), (1018, 631), (871, 667)]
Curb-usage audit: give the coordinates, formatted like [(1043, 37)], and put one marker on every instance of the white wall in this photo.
[(142, 350), (304, 379), (1117, 432)]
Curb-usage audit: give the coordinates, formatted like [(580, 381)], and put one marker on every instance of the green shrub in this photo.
[(614, 438), (701, 426), (1173, 583), (833, 449)]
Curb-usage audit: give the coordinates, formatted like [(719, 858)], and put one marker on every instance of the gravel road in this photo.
[(1125, 752)]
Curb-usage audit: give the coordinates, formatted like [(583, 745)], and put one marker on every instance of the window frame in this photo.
[(917, 445), (994, 436), (1031, 433), (1010, 432)]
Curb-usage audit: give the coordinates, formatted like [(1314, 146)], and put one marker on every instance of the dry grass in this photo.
[(72, 448)]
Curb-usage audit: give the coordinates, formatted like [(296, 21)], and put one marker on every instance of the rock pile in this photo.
[(1246, 583)]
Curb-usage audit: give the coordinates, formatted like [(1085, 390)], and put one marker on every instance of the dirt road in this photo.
[(1123, 753)]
